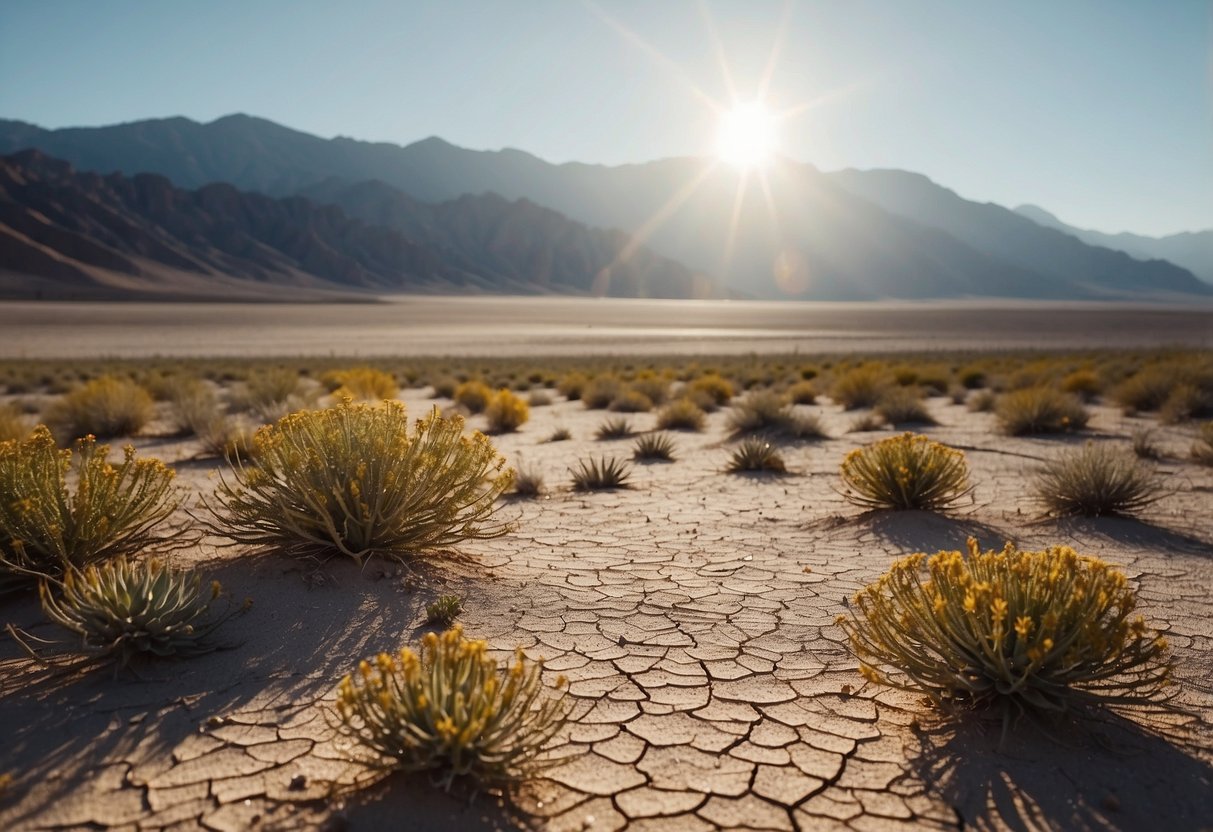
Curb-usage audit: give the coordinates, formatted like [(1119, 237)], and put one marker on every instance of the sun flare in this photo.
[(745, 137)]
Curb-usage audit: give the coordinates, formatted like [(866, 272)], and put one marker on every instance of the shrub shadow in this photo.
[(1101, 772), (1134, 532), (929, 531)]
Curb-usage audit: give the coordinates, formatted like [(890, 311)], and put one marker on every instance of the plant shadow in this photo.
[(1102, 771), (929, 531)]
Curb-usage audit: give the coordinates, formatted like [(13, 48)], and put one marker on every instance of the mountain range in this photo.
[(507, 221)]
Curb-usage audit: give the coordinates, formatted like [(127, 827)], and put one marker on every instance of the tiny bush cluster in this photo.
[(1040, 410), (1096, 480), (104, 407), (452, 710), (905, 472), (1036, 631), (354, 480), (506, 412)]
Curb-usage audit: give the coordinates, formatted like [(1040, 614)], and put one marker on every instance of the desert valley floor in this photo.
[(694, 616)]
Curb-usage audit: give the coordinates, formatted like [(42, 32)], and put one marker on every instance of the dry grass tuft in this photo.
[(1096, 480), (1040, 410), (105, 407)]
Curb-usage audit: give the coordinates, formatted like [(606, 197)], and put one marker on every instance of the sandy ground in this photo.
[(694, 615), (475, 326)]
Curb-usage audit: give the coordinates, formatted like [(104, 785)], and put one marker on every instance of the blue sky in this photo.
[(1099, 110)]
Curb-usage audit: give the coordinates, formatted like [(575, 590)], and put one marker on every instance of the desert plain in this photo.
[(693, 612)]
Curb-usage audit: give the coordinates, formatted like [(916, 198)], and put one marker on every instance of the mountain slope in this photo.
[(1014, 238), (1193, 250), (87, 234), (807, 234)]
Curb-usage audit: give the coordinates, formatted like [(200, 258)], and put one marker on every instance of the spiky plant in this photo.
[(654, 446), (1025, 631), (361, 384), (905, 472), (681, 414), (560, 434), (104, 407), (1040, 410), (506, 412), (616, 427), (127, 608), (354, 480), (114, 509), (600, 474), (1096, 480), (528, 482), (755, 454), (474, 395), (444, 610), (452, 710), (764, 411)]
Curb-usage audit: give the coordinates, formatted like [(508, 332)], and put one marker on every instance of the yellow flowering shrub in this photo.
[(474, 395), (114, 509), (506, 412), (905, 472), (1037, 631), (1040, 410), (719, 389), (354, 480), (361, 384), (452, 710)]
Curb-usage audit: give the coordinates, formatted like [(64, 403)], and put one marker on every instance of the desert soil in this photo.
[(476, 326), (694, 615)]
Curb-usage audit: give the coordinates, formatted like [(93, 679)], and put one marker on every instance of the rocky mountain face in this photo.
[(792, 231), (87, 234)]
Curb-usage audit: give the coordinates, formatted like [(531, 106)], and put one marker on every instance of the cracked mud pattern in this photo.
[(694, 617)]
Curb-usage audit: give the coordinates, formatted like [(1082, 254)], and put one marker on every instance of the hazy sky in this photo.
[(1099, 110)]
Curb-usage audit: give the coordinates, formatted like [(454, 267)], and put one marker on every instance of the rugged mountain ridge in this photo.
[(803, 234), (85, 234)]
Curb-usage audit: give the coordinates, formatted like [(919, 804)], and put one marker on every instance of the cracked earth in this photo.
[(693, 614)]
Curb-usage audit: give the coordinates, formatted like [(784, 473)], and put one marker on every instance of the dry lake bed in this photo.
[(419, 325)]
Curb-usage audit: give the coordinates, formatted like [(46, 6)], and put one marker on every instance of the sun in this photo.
[(745, 137)]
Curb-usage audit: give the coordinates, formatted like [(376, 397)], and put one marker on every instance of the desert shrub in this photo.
[(654, 446), (192, 405), (972, 378), (681, 414), (1040, 410), (767, 412), (1096, 480), (616, 427), (802, 392), (903, 406), (1184, 402), (860, 387), (866, 422), (473, 395), (905, 472), (714, 386), (1025, 631), (983, 401), (272, 393), (528, 482), (114, 510), (539, 398), (445, 387), (13, 425), (756, 454), (561, 434), (653, 387), (1144, 445), (1083, 383), (452, 710), (601, 391), (353, 479), (444, 610), (228, 438), (571, 385), (1151, 386), (104, 407), (1202, 448), (506, 412), (126, 608), (600, 474), (631, 401), (360, 384)]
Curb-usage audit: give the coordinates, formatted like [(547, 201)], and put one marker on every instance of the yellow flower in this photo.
[(1023, 626)]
